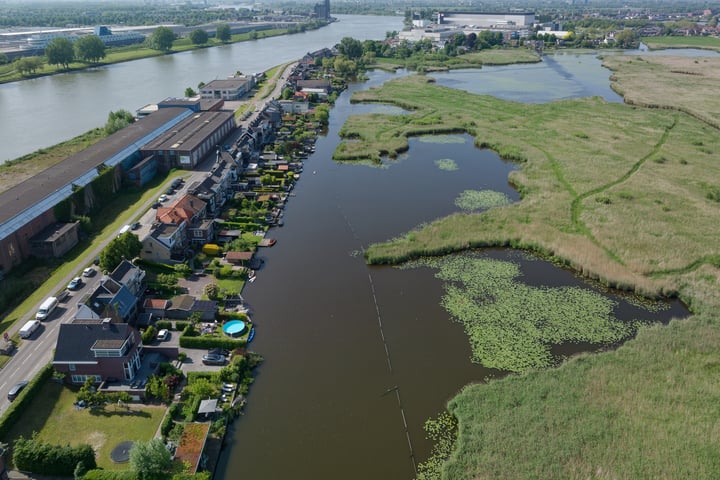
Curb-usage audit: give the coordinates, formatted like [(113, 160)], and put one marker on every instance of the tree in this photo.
[(150, 460), (211, 291), (199, 36), (4, 59), (351, 48), (626, 38), (161, 39), (28, 64), (201, 388), (118, 120), (287, 93), (126, 245), (89, 48), (189, 92), (60, 52), (223, 32)]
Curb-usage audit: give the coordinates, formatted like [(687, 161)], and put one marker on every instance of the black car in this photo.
[(219, 351), (213, 359), (16, 389)]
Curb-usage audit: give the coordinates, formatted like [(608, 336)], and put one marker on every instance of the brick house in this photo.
[(99, 349)]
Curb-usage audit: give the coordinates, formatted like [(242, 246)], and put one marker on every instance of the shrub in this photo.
[(210, 342), (211, 249), (149, 335), (181, 325), (167, 425), (190, 409)]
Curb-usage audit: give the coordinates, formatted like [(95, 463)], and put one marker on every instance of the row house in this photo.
[(218, 186)]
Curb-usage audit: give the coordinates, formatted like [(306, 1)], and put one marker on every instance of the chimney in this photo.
[(106, 323)]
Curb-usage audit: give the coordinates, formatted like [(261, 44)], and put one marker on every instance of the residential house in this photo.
[(192, 211), (165, 243), (98, 349), (182, 306), (110, 299), (156, 306), (321, 87), (131, 276)]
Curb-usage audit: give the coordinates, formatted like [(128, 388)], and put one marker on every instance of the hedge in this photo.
[(164, 324), (210, 342), (149, 335), (225, 316), (110, 475), (213, 377), (32, 455), (181, 325), (17, 408)]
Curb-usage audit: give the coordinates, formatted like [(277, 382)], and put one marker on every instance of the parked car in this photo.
[(162, 198), (75, 283), (219, 351), (163, 335), (135, 225), (16, 389), (213, 359), (89, 272), (156, 205)]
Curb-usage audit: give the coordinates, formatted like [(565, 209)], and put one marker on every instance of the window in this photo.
[(72, 367)]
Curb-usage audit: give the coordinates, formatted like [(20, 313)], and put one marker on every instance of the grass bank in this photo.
[(491, 56), (132, 52), (659, 43), (623, 194)]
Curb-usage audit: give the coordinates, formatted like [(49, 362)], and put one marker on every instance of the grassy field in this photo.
[(55, 419), (493, 56), (620, 193), (658, 43)]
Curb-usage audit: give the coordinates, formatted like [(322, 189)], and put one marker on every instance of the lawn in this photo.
[(53, 416)]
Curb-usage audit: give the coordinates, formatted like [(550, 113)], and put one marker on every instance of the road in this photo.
[(34, 353)]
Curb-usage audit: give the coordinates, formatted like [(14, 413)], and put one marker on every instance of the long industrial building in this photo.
[(486, 20), (27, 209)]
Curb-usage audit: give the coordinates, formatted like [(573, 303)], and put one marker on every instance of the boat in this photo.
[(267, 242), (251, 335)]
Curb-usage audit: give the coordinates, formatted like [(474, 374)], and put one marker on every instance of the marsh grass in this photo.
[(647, 409), (470, 200)]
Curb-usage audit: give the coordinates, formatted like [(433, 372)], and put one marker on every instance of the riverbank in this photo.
[(621, 194), (8, 73)]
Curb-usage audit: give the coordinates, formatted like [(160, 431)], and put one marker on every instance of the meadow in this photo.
[(626, 194), (658, 43)]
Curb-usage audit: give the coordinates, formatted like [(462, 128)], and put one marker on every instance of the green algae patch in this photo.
[(512, 326), (470, 200), (441, 139), (446, 164)]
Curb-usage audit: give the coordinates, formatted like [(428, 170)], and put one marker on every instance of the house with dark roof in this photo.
[(218, 186), (182, 306), (131, 276), (109, 300), (99, 349), (165, 243)]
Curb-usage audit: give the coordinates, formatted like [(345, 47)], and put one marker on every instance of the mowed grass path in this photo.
[(53, 416), (621, 193)]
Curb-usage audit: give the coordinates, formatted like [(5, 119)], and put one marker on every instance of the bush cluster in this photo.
[(187, 341)]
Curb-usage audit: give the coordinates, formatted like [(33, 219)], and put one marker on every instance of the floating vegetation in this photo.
[(444, 139), (512, 326), (443, 431), (477, 199), (447, 164)]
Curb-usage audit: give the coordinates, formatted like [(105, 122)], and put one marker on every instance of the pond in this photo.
[(358, 357)]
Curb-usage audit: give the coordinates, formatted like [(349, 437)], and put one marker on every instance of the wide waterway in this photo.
[(44, 111), (358, 357)]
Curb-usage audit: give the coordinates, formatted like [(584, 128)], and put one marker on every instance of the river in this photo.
[(44, 111)]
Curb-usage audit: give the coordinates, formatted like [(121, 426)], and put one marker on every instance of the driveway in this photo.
[(195, 284)]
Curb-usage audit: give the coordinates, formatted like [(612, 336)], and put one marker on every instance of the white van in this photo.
[(46, 308), (124, 229), (29, 328)]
